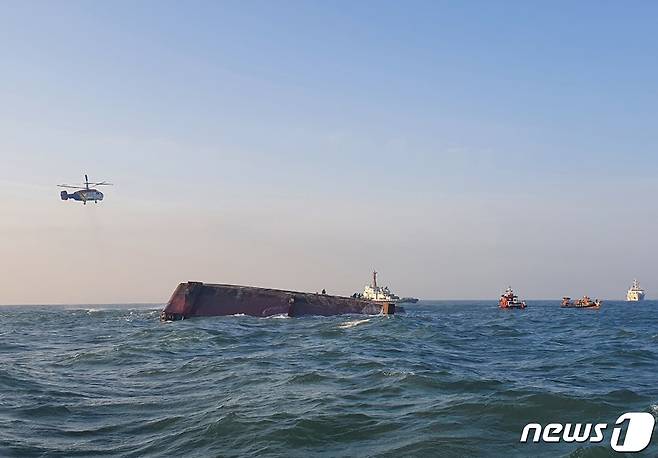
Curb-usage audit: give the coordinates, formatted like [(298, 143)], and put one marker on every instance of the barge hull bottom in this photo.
[(198, 299)]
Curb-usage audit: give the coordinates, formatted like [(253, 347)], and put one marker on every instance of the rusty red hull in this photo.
[(198, 299)]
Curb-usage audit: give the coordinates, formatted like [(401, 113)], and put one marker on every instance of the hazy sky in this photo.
[(457, 147)]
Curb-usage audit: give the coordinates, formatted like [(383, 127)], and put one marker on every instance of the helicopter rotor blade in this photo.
[(70, 186), (101, 183)]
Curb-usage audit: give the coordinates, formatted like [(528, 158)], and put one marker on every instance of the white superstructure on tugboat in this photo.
[(635, 293), (374, 292)]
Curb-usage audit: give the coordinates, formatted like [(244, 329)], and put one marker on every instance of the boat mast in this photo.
[(374, 279)]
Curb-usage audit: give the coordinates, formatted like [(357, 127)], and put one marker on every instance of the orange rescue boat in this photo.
[(509, 300)]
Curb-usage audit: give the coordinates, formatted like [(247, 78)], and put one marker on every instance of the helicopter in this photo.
[(86, 193)]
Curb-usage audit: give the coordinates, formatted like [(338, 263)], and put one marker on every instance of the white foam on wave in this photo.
[(238, 314), (396, 373), (353, 323), (280, 316)]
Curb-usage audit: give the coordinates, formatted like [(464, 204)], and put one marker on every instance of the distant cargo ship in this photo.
[(635, 293)]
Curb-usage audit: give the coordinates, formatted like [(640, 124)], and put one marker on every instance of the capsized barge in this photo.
[(194, 299)]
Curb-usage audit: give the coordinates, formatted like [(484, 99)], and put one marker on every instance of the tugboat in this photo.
[(509, 300), (376, 293), (584, 303), (635, 293)]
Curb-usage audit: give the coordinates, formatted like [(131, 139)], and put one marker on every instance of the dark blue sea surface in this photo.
[(445, 379)]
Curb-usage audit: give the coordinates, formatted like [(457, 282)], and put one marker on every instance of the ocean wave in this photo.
[(353, 323)]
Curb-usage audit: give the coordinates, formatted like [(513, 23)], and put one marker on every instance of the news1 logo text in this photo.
[(631, 433)]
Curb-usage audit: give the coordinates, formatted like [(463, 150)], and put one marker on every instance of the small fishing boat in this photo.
[(584, 303), (509, 300)]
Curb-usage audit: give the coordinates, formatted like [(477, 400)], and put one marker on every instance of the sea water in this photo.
[(448, 378)]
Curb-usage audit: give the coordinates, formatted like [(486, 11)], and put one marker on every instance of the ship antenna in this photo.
[(374, 279)]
